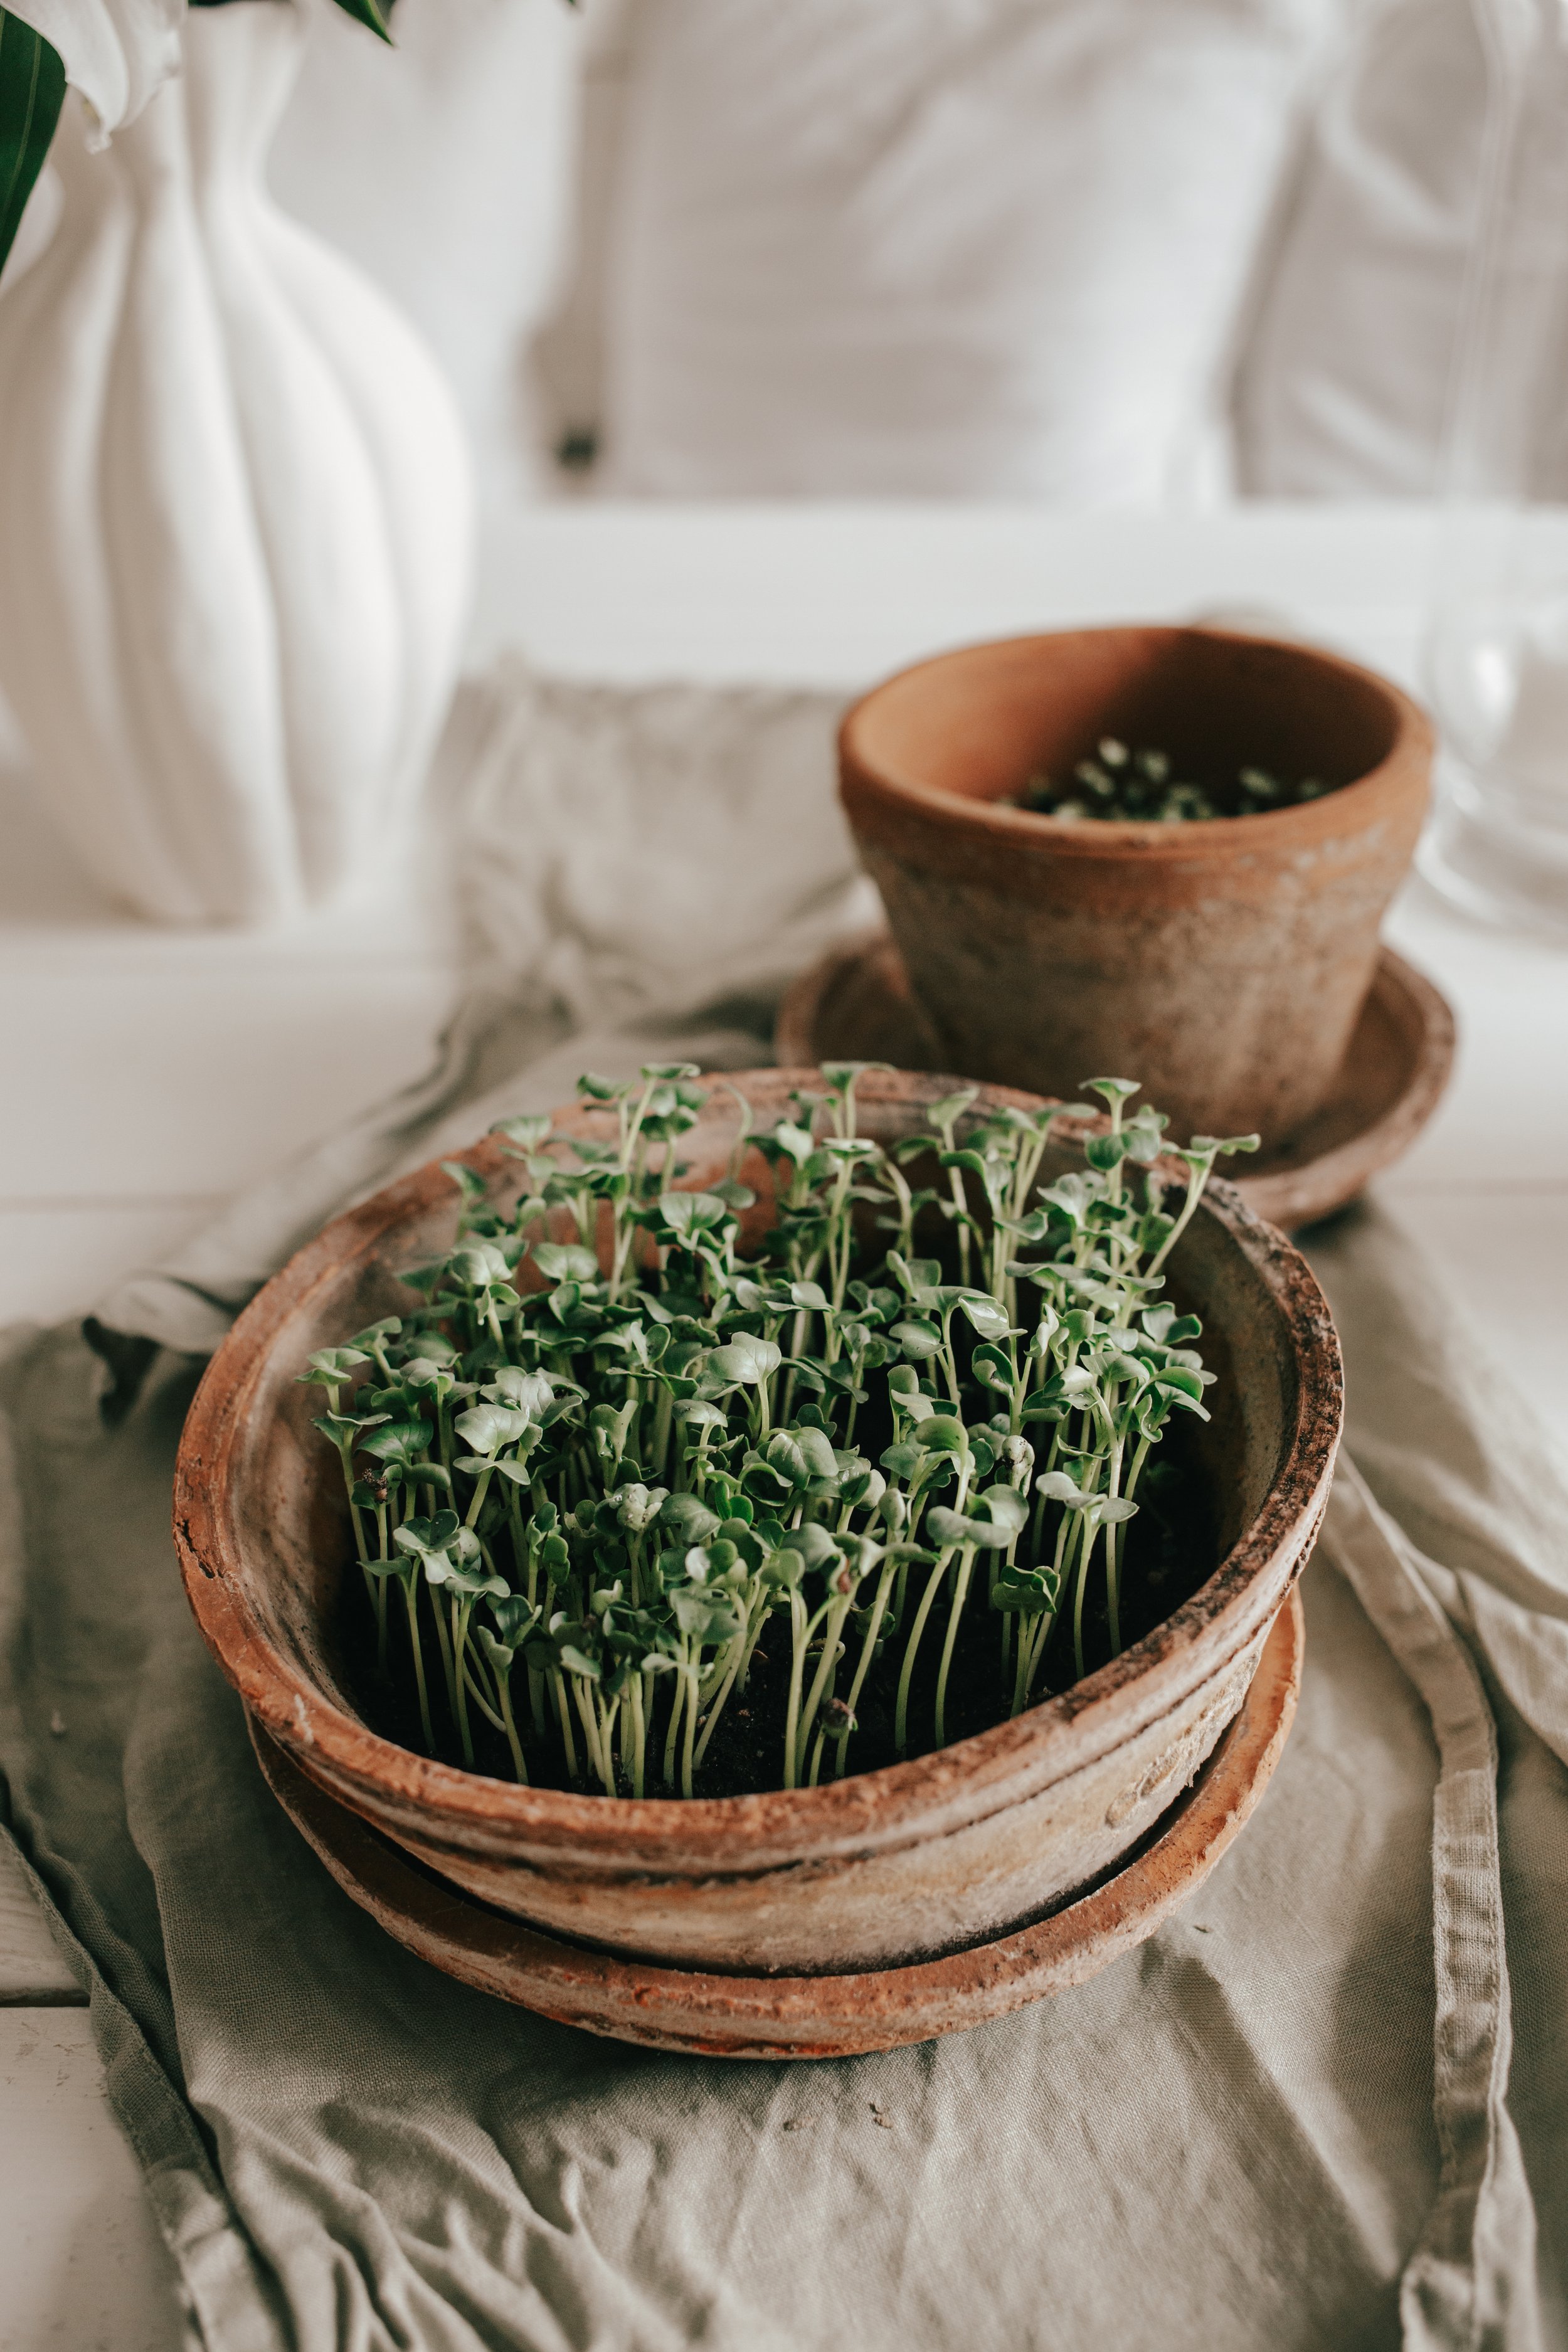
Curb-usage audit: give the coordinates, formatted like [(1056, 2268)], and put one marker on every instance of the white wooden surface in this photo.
[(82, 2267), (148, 1076)]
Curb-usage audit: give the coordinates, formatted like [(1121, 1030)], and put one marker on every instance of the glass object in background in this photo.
[(1497, 679), (1497, 647)]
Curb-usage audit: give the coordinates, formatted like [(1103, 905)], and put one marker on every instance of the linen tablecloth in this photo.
[(1326, 2106)]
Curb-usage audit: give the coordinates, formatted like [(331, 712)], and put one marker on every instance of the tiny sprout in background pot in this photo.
[(669, 1520), (1123, 787)]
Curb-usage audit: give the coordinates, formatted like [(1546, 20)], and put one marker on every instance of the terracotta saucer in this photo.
[(855, 1004), (812, 2017)]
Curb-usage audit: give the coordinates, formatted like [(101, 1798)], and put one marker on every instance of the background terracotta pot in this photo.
[(1223, 961), (925, 1857)]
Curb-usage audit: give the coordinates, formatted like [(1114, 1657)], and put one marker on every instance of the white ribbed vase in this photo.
[(236, 513)]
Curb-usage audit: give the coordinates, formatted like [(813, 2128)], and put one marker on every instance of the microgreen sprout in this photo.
[(1120, 786), (617, 1468)]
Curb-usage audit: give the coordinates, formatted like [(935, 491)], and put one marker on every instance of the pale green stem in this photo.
[(639, 1736), (513, 1742), (900, 1740), (686, 1755), (587, 1716), (820, 1685), (445, 1647), (868, 1648), (481, 1688), (661, 1423), (960, 1593), (563, 1716), (411, 1601), (1196, 1179), (461, 1610), (677, 1703), (961, 1218), (1086, 1552)]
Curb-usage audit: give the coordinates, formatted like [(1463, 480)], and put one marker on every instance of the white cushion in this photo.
[(443, 166), (1342, 389), (982, 247)]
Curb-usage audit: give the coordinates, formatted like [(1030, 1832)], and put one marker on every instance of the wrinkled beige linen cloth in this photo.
[(1327, 2105), (637, 874)]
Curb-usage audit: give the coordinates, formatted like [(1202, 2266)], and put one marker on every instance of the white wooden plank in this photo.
[(196, 1081), (82, 2267), (839, 592), (40, 882), (31, 1970), (1505, 1118), (1505, 1255), (52, 913)]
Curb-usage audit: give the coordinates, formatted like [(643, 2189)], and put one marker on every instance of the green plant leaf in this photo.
[(1110, 1510), (330, 1366), (1005, 1509), (486, 1428), (363, 12), (711, 1616), (691, 1212), (918, 1340), (403, 1442), (813, 1544), (988, 1317), (798, 1142), (1058, 1487), (389, 1327), (990, 1367), (1030, 1596), (689, 1518), (528, 1134), (951, 1107), (784, 1458), (565, 1262), (818, 1452), (528, 1392), (31, 92), (942, 1433), (1005, 1515), (746, 1359), (1229, 1144), (470, 1184)]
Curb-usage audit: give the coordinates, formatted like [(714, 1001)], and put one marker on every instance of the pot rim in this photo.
[(1084, 837), (307, 1724)]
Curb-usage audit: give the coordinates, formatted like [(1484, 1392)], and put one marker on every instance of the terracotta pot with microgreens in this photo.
[(1217, 935), (799, 1522)]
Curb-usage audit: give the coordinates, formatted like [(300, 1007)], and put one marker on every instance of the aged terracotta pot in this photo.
[(923, 1858), (735, 2016), (1225, 962), (854, 1004)]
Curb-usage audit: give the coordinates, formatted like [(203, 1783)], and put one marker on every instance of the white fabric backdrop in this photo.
[(443, 166), (1343, 386), (1053, 248), (991, 246)]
